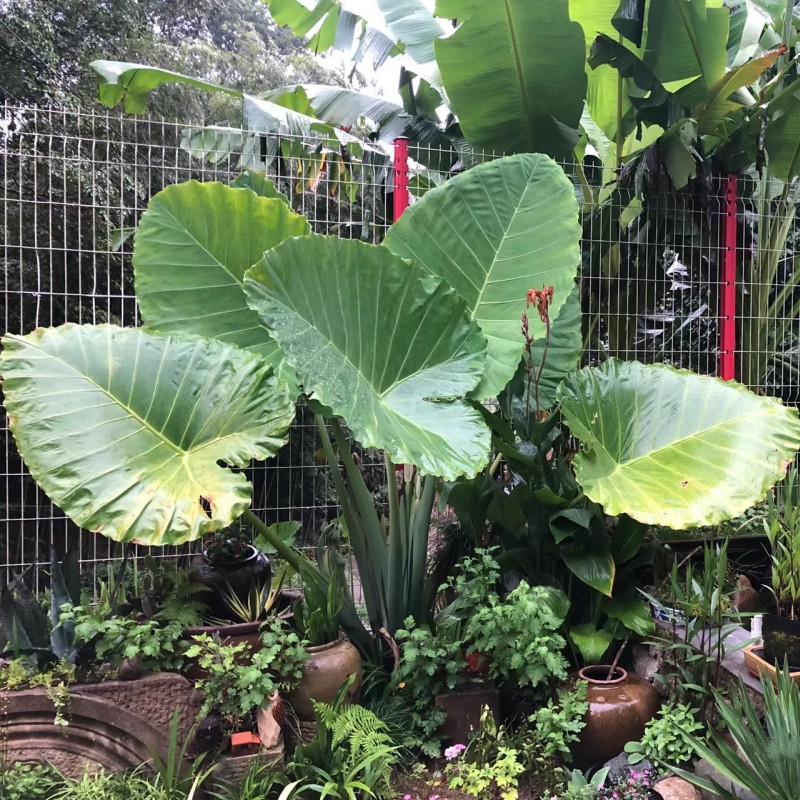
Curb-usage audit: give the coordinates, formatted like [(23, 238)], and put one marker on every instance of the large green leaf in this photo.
[(714, 110), (782, 139), (591, 641), (498, 71), (668, 447), (384, 344), (593, 564), (492, 233), (192, 247), (126, 430), (687, 45)]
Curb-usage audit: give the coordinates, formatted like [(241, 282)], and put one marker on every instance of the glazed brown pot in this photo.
[(618, 711), (327, 668), (239, 576)]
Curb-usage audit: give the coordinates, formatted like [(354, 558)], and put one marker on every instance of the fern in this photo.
[(353, 748), (181, 604)]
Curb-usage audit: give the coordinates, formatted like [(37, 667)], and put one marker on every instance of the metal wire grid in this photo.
[(73, 182), (651, 273)]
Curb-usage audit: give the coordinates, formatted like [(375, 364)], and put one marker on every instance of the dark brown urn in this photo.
[(619, 708)]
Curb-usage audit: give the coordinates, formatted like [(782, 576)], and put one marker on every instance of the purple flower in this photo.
[(406, 797), (453, 752)]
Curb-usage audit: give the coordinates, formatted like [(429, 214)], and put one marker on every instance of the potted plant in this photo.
[(230, 565), (244, 615), (332, 660), (239, 679), (781, 630)]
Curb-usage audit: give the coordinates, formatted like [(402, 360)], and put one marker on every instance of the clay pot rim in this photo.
[(254, 553), (321, 648), (234, 629), (622, 673)]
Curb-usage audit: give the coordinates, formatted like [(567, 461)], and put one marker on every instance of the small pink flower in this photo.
[(454, 752), (406, 797)]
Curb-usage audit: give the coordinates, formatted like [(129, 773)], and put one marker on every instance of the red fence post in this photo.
[(400, 177), (727, 348)]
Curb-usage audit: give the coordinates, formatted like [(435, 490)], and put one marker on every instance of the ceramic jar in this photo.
[(619, 708), (327, 668)]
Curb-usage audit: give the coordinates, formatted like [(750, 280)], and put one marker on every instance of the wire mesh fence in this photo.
[(655, 264), (74, 184)]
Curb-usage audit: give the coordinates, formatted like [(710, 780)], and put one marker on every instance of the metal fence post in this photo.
[(727, 348), (400, 165)]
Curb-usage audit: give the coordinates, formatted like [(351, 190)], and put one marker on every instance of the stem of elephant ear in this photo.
[(618, 656)]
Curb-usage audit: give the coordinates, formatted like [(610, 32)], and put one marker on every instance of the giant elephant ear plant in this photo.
[(383, 344), (130, 431)]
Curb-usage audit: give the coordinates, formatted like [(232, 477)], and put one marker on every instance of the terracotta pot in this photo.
[(618, 711), (463, 708), (327, 668), (255, 569)]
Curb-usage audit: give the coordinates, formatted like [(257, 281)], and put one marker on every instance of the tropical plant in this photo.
[(365, 359), (782, 528), (761, 758)]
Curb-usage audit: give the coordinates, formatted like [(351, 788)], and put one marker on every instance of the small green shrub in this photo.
[(553, 728), (666, 738), (429, 665), (28, 782), (478, 780), (153, 643), (241, 679), (21, 673), (519, 635)]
